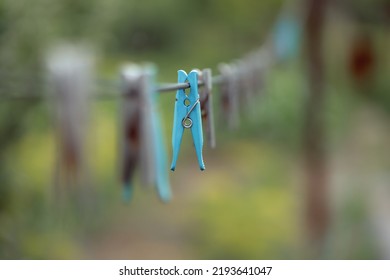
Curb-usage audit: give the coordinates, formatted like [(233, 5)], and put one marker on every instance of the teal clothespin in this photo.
[(160, 156), (187, 114), (287, 36)]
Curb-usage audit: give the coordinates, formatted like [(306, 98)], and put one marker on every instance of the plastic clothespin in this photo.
[(229, 96), (261, 62), (257, 73), (160, 156), (243, 76), (206, 101), (252, 75), (187, 114), (136, 137), (142, 135), (286, 36), (70, 75)]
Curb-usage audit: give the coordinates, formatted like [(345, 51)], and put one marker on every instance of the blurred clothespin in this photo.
[(136, 130), (243, 75), (286, 36), (229, 100), (70, 78), (160, 155), (252, 76), (261, 61), (187, 114), (143, 143), (206, 101)]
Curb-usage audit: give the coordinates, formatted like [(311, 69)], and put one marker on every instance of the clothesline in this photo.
[(115, 85), (70, 82)]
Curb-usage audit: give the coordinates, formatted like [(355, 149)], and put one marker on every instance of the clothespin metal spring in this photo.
[(187, 122)]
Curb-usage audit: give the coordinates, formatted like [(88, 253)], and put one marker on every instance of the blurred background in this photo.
[(305, 175)]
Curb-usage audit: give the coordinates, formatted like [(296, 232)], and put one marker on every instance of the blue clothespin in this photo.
[(187, 115), (287, 36), (160, 156)]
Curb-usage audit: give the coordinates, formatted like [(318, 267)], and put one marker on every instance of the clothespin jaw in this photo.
[(207, 109), (187, 114), (229, 98)]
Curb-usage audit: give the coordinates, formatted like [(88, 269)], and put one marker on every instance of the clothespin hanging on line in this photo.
[(187, 115), (243, 83), (142, 140), (257, 72), (160, 156), (207, 109), (229, 98), (253, 76), (262, 59), (70, 79), (286, 36)]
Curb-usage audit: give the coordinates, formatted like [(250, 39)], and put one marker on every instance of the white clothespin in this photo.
[(229, 95), (70, 78)]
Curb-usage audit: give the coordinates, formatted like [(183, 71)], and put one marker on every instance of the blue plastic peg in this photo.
[(187, 115), (160, 160)]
